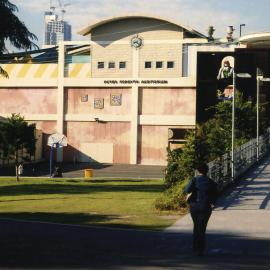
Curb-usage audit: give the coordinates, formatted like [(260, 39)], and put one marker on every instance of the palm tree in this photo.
[(12, 29)]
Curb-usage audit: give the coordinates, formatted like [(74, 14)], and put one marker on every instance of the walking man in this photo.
[(203, 195)]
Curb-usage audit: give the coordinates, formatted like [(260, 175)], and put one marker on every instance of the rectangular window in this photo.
[(111, 65), (100, 65), (122, 65), (159, 64), (170, 64), (147, 64)]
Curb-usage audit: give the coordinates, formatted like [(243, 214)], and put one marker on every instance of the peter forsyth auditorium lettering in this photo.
[(135, 82), (123, 96)]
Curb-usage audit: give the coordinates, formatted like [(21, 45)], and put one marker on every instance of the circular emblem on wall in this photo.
[(136, 42)]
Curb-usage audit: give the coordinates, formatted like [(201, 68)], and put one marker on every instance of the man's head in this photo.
[(202, 168)]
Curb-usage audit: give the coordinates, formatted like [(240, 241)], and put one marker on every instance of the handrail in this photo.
[(244, 157)]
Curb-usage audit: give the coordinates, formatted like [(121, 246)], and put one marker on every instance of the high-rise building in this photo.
[(55, 30)]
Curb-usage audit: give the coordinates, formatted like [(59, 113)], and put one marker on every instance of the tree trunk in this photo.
[(17, 166)]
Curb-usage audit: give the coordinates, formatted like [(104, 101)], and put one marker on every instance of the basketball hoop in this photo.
[(56, 140)]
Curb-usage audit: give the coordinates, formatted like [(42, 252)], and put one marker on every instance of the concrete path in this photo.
[(245, 212)]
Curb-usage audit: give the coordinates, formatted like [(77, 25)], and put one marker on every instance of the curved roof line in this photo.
[(85, 31), (256, 37)]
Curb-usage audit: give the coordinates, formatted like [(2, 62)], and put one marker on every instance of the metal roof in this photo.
[(87, 30), (257, 40)]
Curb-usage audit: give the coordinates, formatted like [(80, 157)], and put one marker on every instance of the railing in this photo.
[(245, 156)]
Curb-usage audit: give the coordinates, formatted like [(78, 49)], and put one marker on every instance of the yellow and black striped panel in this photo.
[(45, 71)]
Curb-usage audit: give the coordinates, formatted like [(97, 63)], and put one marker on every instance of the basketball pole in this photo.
[(51, 157)]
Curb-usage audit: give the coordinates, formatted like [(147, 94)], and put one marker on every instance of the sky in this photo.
[(197, 14)]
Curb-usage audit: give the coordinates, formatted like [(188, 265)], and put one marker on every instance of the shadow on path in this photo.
[(27, 245)]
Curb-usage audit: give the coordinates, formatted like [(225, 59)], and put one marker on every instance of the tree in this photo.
[(17, 135), (12, 29)]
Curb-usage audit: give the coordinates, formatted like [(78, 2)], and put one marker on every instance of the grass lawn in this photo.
[(120, 202)]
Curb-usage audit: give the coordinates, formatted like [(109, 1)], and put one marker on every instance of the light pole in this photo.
[(233, 126), (258, 115), (241, 25), (244, 76), (260, 79)]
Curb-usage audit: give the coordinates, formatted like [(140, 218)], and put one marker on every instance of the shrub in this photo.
[(181, 162), (173, 198)]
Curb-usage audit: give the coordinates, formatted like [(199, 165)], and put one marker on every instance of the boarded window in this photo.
[(170, 64), (159, 64), (111, 65), (148, 64), (100, 65), (122, 65)]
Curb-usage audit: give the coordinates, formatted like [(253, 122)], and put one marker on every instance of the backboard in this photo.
[(57, 140)]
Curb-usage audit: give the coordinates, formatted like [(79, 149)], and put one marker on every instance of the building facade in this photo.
[(123, 96), (55, 30)]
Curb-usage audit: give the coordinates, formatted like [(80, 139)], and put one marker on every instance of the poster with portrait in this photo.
[(225, 79)]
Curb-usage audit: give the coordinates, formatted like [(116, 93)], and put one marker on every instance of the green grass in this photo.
[(125, 203)]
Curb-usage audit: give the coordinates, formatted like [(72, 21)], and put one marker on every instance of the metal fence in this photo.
[(244, 157)]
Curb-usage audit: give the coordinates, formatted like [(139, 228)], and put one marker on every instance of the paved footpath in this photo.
[(238, 238), (243, 214)]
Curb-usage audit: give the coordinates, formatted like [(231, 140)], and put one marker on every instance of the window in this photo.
[(159, 64), (122, 65), (170, 64), (147, 64), (100, 65), (111, 65)]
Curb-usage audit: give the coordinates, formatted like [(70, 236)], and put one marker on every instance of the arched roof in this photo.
[(256, 40), (85, 31)]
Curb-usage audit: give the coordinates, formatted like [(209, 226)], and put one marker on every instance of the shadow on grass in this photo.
[(57, 188), (88, 219), (65, 218)]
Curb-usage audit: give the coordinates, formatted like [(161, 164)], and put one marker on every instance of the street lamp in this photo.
[(244, 76), (241, 25), (260, 79)]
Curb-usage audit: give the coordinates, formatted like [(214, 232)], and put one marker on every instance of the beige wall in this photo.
[(114, 137), (167, 101), (152, 144), (111, 53), (149, 30), (28, 100), (164, 53)]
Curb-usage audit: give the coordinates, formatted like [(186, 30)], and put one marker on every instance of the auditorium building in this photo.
[(123, 96)]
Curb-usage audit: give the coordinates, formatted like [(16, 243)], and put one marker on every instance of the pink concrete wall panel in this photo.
[(30, 101), (167, 101), (74, 105), (152, 144), (47, 128), (117, 133)]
